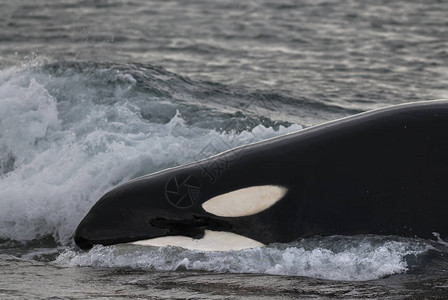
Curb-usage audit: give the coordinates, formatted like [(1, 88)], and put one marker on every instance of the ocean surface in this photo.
[(94, 93)]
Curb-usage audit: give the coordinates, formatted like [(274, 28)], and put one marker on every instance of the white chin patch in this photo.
[(212, 241), (244, 202)]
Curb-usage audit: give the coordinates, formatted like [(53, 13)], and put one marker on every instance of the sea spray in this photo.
[(71, 132), (336, 258)]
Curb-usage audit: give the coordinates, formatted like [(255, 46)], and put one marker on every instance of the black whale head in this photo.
[(163, 205), (139, 210)]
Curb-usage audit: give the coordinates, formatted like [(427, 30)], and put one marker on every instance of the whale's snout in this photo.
[(118, 217), (81, 241)]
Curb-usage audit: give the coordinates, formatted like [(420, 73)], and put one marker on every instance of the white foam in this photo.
[(348, 258), (65, 140)]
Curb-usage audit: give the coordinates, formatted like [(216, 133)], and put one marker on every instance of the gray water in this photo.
[(94, 93)]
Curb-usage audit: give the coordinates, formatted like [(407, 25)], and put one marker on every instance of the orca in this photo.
[(381, 172)]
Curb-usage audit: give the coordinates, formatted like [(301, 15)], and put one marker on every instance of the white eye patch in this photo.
[(245, 202), (212, 241)]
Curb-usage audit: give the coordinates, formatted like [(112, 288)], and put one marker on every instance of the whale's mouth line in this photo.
[(193, 228)]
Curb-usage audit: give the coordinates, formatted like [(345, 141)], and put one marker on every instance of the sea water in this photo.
[(95, 93)]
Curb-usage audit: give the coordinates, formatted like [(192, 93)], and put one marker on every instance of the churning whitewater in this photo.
[(335, 258), (84, 128)]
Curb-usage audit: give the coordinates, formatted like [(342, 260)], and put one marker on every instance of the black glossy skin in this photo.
[(382, 172)]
